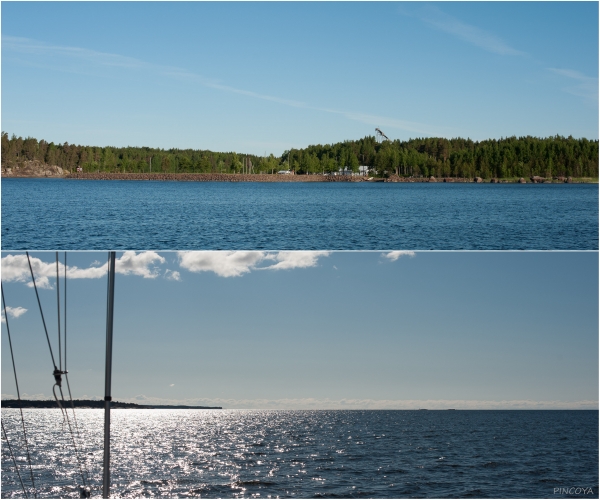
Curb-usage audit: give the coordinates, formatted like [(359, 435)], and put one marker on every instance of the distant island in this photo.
[(94, 403), (509, 159)]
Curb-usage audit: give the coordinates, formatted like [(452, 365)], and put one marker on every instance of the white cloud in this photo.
[(225, 264), (468, 33), (16, 268), (396, 254), (140, 264), (233, 264), (585, 86), (294, 260), (92, 272), (13, 312), (147, 264)]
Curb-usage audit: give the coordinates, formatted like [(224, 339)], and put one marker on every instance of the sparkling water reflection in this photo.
[(251, 453)]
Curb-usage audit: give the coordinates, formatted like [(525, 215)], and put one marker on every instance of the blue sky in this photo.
[(264, 77), (318, 330)]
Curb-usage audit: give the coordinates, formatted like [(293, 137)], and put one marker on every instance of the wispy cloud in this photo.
[(16, 268), (295, 260), (396, 254), (585, 86), (30, 46), (103, 59), (441, 21), (172, 275), (233, 264)]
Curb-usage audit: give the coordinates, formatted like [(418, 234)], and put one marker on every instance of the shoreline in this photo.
[(213, 177), (98, 404)]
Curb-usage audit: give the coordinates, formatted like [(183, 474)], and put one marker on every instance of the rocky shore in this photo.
[(301, 178), (41, 170), (32, 169)]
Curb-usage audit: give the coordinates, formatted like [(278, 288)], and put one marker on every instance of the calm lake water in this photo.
[(48, 214), (266, 454)]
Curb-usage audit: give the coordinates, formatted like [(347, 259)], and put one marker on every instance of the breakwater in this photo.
[(213, 177), (140, 176)]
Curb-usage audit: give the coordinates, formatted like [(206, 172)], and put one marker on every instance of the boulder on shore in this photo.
[(522, 181), (432, 179), (394, 178), (536, 179), (478, 179)]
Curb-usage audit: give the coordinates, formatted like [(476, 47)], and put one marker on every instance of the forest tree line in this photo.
[(503, 158)]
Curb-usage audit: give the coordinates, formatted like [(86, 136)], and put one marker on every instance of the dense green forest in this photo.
[(502, 158)]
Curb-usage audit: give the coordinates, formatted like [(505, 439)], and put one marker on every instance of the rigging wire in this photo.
[(66, 314), (14, 461), (66, 371), (58, 313), (41, 312), (18, 393), (87, 472), (70, 432)]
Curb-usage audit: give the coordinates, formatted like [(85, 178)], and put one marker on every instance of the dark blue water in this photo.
[(84, 215), (314, 454)]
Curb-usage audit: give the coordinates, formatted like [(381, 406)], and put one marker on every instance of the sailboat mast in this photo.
[(108, 372)]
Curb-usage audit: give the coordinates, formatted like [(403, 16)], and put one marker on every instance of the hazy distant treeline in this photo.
[(503, 158)]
